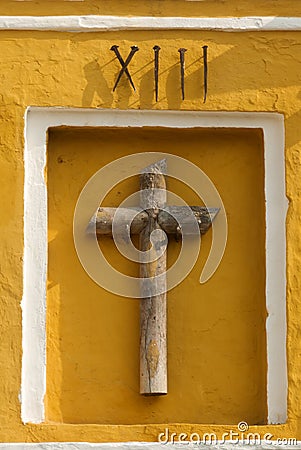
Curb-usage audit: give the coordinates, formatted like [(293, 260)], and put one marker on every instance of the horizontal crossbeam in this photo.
[(103, 219)]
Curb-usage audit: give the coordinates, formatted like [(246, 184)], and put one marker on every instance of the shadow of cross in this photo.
[(152, 221)]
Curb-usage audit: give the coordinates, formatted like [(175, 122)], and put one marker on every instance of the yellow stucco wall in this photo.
[(93, 336), (184, 8), (257, 71)]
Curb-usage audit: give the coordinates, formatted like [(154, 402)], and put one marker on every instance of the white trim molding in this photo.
[(37, 122), (92, 23), (152, 446)]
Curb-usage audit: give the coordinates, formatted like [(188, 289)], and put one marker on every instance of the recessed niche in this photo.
[(217, 363)]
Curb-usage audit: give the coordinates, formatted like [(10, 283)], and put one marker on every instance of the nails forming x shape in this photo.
[(124, 64)]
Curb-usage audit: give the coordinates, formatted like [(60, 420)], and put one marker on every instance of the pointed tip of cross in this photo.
[(213, 212), (156, 167)]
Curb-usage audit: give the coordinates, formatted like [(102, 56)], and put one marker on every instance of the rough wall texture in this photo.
[(93, 336), (257, 71), (201, 8)]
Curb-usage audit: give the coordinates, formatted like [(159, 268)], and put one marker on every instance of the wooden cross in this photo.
[(152, 215)]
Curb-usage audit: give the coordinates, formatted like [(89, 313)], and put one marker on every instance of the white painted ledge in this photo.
[(151, 446), (94, 23)]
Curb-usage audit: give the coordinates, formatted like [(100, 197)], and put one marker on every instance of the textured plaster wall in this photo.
[(219, 8), (247, 72), (93, 336)]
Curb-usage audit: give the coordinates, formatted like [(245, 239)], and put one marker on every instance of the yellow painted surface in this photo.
[(201, 8), (93, 336), (247, 72)]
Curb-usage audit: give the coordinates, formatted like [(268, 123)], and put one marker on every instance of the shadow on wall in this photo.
[(96, 84)]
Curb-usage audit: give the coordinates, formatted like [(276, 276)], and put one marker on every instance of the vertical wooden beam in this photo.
[(153, 317)]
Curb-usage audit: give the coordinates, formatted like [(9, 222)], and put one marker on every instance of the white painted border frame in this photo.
[(37, 122), (94, 23)]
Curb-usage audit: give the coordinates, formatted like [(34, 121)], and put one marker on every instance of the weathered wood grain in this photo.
[(172, 216), (153, 215), (166, 219), (153, 316), (104, 219)]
